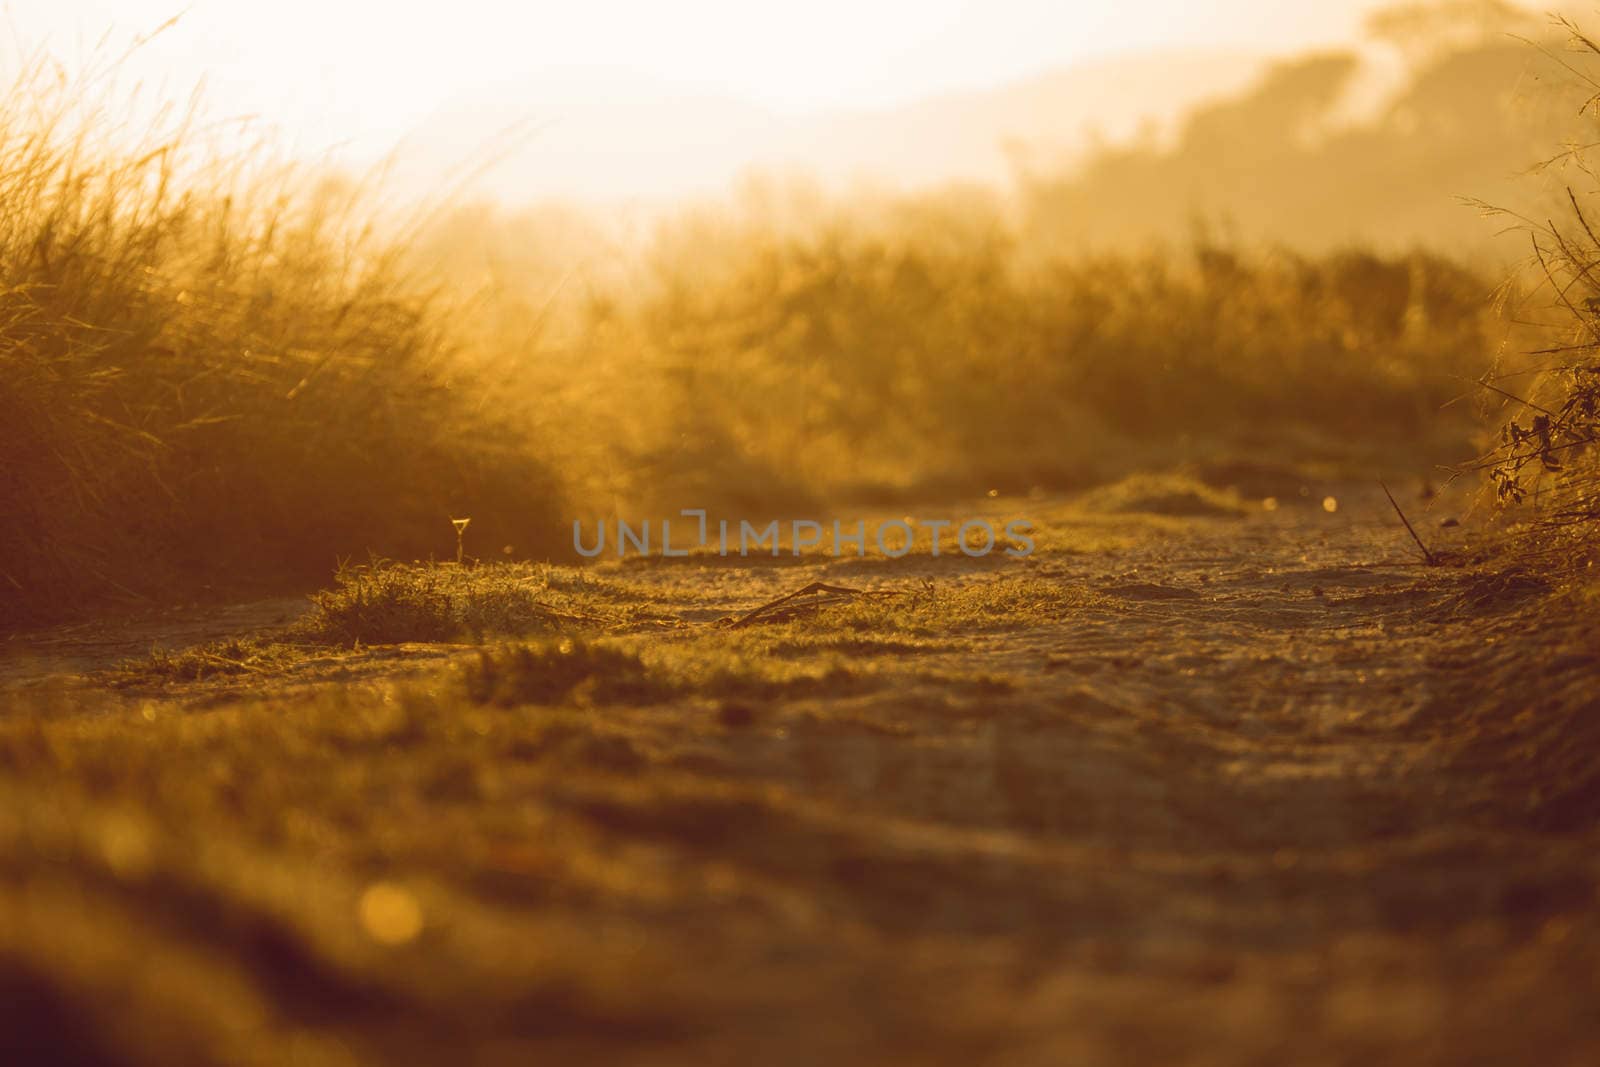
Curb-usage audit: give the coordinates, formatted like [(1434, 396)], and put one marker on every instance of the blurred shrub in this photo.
[(875, 361)]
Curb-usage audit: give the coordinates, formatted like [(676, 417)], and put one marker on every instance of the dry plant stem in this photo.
[(1426, 555), (826, 595)]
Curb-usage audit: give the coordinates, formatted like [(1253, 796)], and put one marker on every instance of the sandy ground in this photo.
[(1280, 794)]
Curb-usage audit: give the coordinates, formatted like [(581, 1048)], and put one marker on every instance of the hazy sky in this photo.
[(379, 65), (366, 74)]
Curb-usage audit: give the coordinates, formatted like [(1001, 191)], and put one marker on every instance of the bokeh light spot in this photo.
[(389, 914)]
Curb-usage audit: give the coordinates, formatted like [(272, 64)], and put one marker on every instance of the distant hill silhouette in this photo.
[(1275, 163), (628, 139)]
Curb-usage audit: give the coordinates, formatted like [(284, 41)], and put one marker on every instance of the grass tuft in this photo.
[(390, 603)]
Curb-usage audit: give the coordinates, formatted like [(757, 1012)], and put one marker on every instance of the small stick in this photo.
[(833, 593), (213, 657), (1432, 562)]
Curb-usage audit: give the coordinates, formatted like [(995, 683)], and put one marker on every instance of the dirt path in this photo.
[(1226, 817), (29, 657), (1278, 795)]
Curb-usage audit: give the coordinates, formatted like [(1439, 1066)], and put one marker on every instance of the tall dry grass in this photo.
[(217, 367), (1546, 457)]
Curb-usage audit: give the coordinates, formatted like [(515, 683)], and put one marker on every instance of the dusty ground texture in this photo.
[(1209, 786)]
